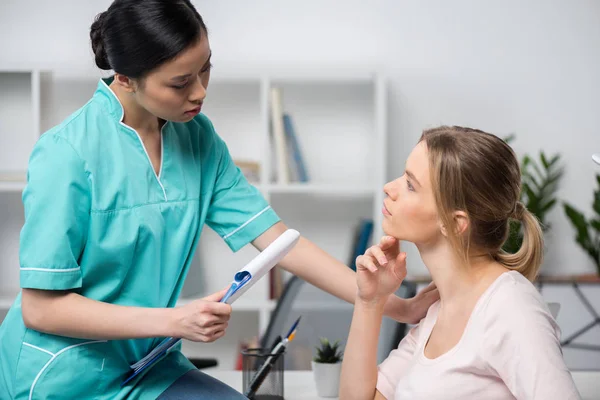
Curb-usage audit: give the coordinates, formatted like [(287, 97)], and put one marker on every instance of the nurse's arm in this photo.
[(317, 267), (69, 314)]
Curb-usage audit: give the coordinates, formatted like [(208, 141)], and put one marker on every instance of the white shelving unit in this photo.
[(340, 122), (19, 129)]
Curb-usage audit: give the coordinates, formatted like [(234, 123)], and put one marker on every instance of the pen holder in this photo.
[(262, 374)]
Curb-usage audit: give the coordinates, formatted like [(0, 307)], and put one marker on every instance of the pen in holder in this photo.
[(262, 374)]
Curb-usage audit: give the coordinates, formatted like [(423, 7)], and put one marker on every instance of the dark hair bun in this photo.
[(98, 42), (134, 37)]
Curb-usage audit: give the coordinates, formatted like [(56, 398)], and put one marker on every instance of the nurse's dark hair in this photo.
[(133, 37)]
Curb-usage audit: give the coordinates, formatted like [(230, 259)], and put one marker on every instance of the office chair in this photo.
[(282, 310), (406, 291), (279, 317)]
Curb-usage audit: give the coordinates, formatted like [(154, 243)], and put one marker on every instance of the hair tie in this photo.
[(518, 211)]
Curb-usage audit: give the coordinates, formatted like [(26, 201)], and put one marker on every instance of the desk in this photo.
[(299, 385)]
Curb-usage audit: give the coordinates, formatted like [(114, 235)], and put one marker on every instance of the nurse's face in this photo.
[(175, 90)]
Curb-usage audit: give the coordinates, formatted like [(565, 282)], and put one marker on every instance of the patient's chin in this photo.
[(396, 233)]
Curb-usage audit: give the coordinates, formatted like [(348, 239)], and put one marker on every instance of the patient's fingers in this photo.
[(388, 242), (379, 255), (366, 262)]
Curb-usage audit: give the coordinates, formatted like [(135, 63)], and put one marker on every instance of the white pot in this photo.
[(327, 378)]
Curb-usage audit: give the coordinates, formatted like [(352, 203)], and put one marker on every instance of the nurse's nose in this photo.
[(198, 92)]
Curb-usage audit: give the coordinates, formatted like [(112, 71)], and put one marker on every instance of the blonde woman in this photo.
[(491, 335)]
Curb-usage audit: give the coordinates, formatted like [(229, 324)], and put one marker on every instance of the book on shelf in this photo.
[(286, 155), (295, 159), (278, 136), (250, 169), (361, 240), (275, 283)]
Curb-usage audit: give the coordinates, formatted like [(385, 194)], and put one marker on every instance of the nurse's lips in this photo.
[(194, 111)]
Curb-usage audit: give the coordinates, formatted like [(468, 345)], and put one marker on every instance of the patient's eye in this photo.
[(410, 186)]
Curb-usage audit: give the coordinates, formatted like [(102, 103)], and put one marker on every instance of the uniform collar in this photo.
[(110, 99)]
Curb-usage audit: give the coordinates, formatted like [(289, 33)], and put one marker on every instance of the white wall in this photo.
[(504, 66)]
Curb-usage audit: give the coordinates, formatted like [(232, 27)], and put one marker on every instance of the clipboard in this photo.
[(246, 277), (242, 281)]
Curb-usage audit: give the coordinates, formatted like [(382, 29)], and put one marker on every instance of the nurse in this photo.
[(115, 202)]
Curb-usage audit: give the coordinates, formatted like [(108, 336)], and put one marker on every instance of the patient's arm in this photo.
[(395, 366), (361, 377), (359, 368)]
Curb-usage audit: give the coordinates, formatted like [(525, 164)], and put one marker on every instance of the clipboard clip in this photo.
[(240, 279)]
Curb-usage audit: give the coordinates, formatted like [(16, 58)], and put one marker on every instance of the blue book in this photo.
[(294, 149), (363, 240)]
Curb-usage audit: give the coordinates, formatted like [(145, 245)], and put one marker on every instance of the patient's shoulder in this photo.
[(514, 290), (514, 303)]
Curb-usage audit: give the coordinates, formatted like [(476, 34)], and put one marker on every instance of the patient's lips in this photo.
[(384, 210)]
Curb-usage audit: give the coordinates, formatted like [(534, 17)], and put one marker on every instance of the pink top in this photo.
[(509, 349)]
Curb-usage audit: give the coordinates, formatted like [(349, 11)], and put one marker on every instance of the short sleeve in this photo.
[(238, 212), (521, 345), (393, 368), (56, 200)]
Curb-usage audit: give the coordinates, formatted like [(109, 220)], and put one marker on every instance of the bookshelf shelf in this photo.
[(6, 299), (322, 189), (339, 121), (12, 181), (11, 187)]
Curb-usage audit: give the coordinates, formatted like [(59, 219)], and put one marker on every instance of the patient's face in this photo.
[(409, 210)]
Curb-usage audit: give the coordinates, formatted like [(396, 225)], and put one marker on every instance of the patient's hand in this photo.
[(380, 271)]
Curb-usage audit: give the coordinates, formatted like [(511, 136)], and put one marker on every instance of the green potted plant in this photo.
[(539, 183), (587, 230), (326, 366)]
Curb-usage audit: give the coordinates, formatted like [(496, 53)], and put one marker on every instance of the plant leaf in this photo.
[(580, 224), (544, 160)]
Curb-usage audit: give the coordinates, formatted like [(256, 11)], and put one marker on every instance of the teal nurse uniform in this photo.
[(100, 222)]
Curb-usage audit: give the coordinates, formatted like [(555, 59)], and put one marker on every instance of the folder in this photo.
[(242, 281)]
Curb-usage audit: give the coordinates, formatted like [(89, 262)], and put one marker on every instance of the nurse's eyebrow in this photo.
[(181, 77), (184, 77), (208, 59)]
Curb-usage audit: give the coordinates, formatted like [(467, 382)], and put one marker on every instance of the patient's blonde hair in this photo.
[(478, 173)]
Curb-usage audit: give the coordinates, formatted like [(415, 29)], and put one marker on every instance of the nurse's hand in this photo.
[(380, 271), (203, 320)]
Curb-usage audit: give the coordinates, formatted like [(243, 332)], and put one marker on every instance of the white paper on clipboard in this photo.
[(260, 265)]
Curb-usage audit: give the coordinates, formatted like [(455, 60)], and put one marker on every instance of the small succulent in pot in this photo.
[(326, 366), (328, 353)]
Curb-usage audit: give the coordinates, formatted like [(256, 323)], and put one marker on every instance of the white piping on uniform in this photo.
[(37, 377), (246, 223), (141, 141), (38, 348), (162, 154), (51, 269)]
